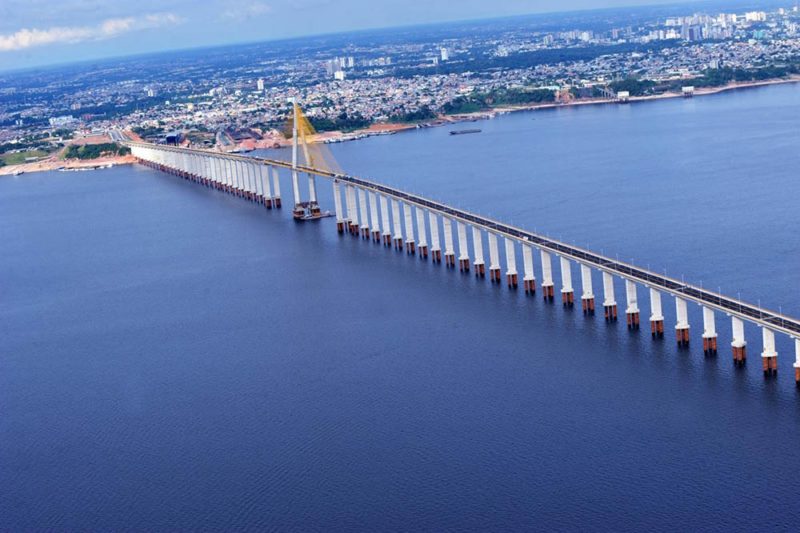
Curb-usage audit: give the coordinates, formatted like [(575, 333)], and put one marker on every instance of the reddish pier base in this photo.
[(436, 256), (797, 376), (710, 345), (632, 319), (657, 329), (529, 285), (376, 236), (770, 366), (494, 275), (588, 306), (387, 239), (463, 265), (480, 270), (610, 312), (340, 226), (423, 251), (568, 299), (512, 280), (277, 203), (398, 244), (682, 337), (548, 293), (411, 248), (739, 355), (450, 259)]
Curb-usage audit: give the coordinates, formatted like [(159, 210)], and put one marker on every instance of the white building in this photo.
[(260, 84), (445, 54)]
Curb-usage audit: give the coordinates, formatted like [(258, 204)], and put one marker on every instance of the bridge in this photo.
[(387, 214)]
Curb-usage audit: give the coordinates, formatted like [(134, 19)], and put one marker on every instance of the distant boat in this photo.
[(464, 132), (19, 172)]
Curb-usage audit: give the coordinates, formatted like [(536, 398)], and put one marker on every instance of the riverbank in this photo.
[(702, 91), (54, 163)]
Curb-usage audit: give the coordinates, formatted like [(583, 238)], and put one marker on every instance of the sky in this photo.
[(40, 32)]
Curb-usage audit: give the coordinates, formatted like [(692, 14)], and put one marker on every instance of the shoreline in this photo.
[(53, 163)]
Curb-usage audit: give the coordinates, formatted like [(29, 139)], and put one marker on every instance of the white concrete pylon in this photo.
[(739, 344), (682, 325), (709, 332), (408, 218), (276, 186), (397, 228), (512, 277), (449, 249), (609, 299), (632, 305), (587, 294), (769, 356), (494, 258), (387, 231), (547, 276), (477, 249), (463, 247), (656, 314), (337, 205), (797, 361), (374, 217), (422, 234), (364, 214), (436, 249), (529, 281), (264, 172), (312, 189), (567, 291)]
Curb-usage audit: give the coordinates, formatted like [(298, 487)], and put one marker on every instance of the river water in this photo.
[(174, 358)]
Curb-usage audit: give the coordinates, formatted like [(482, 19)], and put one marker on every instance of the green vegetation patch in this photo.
[(18, 158), (93, 151)]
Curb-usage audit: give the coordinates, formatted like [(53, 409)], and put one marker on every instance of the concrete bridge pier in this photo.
[(632, 308), (397, 228), (337, 206), (421, 233), (250, 183), (463, 247), (276, 185), (529, 280), (609, 300), (494, 259), (682, 326), (436, 250), (797, 361), (477, 249), (387, 228), (449, 249), (709, 332), (587, 297), (548, 287), (268, 190), (769, 357), (374, 217), (312, 196), (364, 215), (567, 291), (739, 343), (352, 215), (411, 243), (656, 315), (512, 278)]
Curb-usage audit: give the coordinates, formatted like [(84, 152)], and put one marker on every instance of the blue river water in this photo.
[(175, 358)]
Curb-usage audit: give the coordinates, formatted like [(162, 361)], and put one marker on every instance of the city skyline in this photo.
[(38, 33)]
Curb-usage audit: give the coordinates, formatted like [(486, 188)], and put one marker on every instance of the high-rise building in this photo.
[(260, 84), (445, 54)]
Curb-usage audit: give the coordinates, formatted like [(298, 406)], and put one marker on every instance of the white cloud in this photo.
[(29, 38), (245, 10)]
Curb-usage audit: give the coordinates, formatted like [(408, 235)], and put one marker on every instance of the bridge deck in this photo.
[(770, 319)]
